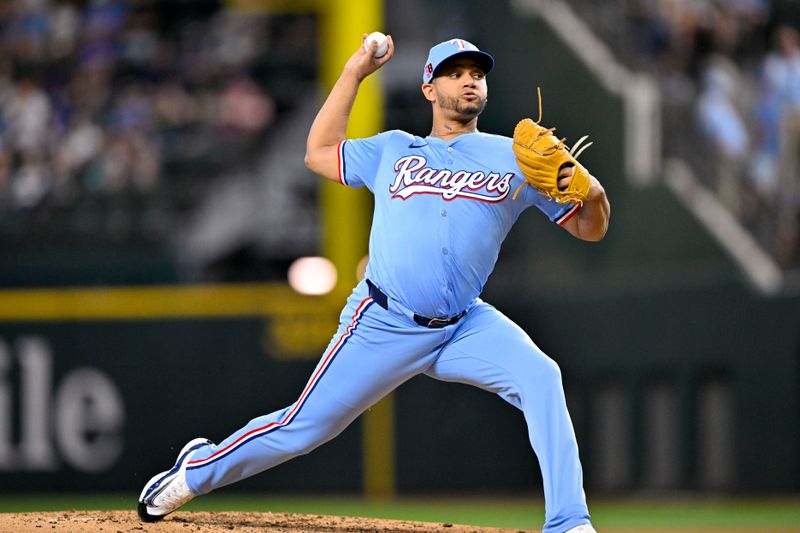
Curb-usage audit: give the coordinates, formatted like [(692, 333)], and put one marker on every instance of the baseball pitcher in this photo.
[(444, 203)]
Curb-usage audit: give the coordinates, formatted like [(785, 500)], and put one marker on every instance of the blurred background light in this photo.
[(312, 275)]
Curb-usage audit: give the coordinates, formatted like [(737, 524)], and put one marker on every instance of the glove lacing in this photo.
[(574, 151)]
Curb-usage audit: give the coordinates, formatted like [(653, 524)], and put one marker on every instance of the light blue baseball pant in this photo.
[(373, 352)]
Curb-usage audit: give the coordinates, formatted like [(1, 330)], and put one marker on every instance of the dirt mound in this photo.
[(204, 522)]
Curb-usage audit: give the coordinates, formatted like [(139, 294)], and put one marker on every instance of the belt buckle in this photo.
[(438, 322)]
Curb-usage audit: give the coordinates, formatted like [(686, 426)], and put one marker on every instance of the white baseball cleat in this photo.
[(586, 528), (167, 491)]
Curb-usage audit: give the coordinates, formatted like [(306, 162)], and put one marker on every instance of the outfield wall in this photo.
[(678, 390)]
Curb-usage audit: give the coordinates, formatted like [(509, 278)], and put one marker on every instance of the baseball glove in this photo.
[(541, 155)]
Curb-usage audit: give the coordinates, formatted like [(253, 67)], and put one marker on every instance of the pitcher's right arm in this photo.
[(330, 126)]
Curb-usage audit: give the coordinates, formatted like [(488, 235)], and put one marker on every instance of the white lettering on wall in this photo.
[(79, 422), (36, 376), (89, 420)]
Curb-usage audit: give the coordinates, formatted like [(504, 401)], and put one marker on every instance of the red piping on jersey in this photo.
[(340, 162), (569, 214)]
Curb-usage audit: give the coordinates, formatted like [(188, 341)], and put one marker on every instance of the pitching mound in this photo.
[(197, 522)]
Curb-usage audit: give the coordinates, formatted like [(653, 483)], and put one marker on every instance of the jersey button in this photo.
[(449, 148), (449, 161), (443, 212), (445, 251)]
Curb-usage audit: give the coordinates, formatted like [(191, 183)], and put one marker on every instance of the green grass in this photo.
[(688, 514), (699, 514)]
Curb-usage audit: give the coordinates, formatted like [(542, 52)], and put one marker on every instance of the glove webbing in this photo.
[(575, 151)]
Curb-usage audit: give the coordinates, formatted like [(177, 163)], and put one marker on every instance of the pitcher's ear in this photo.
[(428, 92)]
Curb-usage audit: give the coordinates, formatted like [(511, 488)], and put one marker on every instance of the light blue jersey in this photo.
[(442, 210)]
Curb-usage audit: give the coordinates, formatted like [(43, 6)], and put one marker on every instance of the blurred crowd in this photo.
[(134, 103), (115, 98), (751, 120), (730, 77)]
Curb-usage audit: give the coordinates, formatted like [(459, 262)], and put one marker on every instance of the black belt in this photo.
[(381, 299)]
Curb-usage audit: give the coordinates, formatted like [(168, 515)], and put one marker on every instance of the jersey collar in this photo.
[(418, 142)]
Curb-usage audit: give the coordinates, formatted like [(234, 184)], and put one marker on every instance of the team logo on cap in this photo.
[(429, 69)]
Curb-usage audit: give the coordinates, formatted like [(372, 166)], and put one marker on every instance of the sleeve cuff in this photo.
[(340, 161), (568, 214)]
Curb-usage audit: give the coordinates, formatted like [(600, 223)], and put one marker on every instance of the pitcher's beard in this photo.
[(472, 109)]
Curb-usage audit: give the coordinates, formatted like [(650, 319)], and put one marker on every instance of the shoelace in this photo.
[(175, 494)]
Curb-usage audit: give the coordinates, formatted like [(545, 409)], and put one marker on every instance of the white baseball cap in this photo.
[(448, 49)]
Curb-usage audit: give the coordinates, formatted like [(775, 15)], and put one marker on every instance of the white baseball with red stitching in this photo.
[(383, 43)]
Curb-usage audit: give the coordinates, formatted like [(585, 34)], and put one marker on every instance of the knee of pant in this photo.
[(310, 438), (301, 446), (552, 372), (546, 375)]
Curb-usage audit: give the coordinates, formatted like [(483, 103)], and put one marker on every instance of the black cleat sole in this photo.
[(145, 516)]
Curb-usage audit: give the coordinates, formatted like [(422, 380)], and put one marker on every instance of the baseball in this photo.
[(378, 37)]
